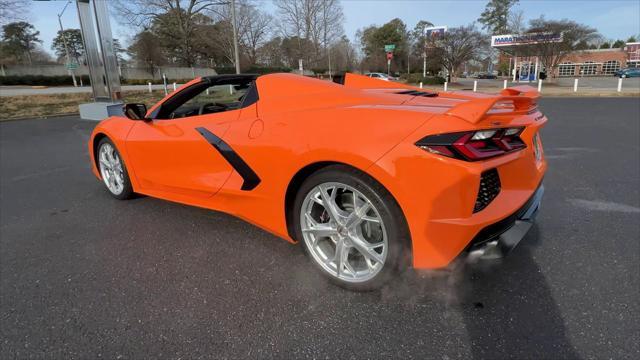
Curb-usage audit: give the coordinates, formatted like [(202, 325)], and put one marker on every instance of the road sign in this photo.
[(389, 55), (72, 66), (389, 48)]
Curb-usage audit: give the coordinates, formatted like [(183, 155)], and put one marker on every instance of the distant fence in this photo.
[(125, 72)]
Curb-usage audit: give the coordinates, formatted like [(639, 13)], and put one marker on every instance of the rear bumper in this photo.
[(497, 240)]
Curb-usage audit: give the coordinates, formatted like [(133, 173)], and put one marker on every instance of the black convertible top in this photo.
[(230, 79)]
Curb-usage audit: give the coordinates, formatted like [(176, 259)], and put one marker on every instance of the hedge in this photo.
[(153, 81), (417, 78), (41, 80)]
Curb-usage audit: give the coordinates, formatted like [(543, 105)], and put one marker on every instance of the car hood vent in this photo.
[(417, 93)]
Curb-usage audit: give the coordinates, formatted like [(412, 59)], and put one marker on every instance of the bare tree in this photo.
[(256, 32), (344, 54), (459, 45), (516, 23), (222, 16), (551, 52), (318, 21), (13, 10), (181, 16)]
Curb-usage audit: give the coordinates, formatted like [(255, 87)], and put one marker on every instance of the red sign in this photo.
[(389, 55)]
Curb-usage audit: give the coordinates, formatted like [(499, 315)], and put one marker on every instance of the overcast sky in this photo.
[(614, 19)]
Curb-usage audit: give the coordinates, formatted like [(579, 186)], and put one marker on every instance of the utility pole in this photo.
[(64, 41), (424, 54), (235, 35), (326, 45)]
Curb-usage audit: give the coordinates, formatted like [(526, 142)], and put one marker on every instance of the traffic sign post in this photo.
[(71, 66), (389, 50)]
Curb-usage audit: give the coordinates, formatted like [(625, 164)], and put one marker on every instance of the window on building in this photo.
[(610, 67), (588, 68), (566, 69)]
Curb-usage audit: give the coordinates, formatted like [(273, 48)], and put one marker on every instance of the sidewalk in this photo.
[(20, 90)]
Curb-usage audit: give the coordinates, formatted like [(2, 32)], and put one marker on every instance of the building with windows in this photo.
[(599, 62)]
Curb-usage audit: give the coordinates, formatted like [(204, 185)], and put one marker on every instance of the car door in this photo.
[(169, 153)]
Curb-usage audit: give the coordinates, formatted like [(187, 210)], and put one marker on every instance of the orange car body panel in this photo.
[(366, 124)]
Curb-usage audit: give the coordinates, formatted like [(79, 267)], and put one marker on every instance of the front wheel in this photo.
[(113, 170), (350, 227)]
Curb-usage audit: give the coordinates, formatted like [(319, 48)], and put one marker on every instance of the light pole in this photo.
[(235, 35), (64, 41)]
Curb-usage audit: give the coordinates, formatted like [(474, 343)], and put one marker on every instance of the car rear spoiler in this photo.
[(518, 98)]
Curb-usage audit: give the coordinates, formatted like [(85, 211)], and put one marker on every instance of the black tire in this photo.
[(398, 253), (127, 191)]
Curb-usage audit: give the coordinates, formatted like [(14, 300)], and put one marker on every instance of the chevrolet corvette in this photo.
[(370, 176)]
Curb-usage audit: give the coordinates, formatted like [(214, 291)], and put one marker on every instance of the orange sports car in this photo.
[(370, 176)]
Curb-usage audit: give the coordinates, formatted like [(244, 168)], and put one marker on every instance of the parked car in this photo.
[(381, 76), (627, 73), (367, 176)]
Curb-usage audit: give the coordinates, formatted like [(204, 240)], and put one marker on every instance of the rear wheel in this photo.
[(350, 227), (113, 170)]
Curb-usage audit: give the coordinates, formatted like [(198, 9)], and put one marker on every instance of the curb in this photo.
[(41, 117)]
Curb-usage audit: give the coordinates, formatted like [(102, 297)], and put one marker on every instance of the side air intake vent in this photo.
[(489, 189)]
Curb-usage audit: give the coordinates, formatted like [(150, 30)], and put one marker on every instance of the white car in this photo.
[(381, 76)]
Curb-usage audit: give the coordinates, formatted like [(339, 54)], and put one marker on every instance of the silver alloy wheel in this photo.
[(344, 232), (111, 168)]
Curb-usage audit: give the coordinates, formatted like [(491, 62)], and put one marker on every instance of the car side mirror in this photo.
[(135, 111)]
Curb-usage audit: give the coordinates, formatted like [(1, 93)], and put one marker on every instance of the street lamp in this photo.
[(64, 41)]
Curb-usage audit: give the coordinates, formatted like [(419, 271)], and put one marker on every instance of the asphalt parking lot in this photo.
[(85, 276)]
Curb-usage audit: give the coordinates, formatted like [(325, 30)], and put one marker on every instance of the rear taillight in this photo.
[(474, 145)]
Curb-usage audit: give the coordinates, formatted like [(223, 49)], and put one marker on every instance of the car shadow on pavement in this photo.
[(509, 310)]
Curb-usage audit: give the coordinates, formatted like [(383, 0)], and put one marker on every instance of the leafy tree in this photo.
[(145, 49), (552, 53), (180, 46), (19, 39), (373, 39), (74, 44), (271, 53), (495, 17), (460, 45), (583, 45), (632, 39), (605, 45), (618, 44), (293, 47)]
